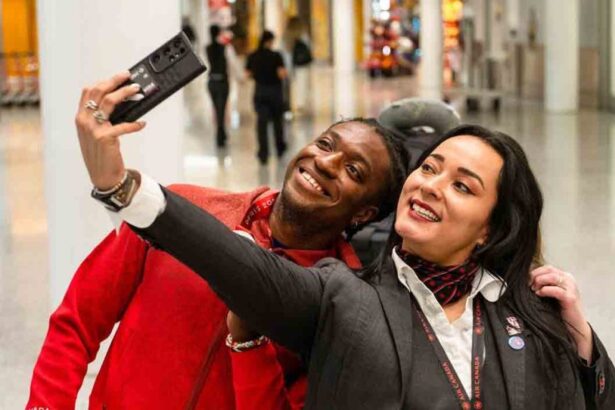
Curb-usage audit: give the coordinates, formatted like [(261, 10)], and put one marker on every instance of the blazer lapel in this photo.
[(512, 361), (397, 305)]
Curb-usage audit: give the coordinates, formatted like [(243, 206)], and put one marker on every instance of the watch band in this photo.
[(120, 197)]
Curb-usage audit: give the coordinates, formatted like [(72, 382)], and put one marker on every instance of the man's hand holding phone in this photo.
[(98, 138), (110, 109)]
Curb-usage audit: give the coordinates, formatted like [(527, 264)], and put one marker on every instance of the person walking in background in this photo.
[(268, 70), (222, 57), (297, 44)]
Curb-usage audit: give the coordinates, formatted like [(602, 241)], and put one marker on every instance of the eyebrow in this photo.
[(353, 154), (463, 170)]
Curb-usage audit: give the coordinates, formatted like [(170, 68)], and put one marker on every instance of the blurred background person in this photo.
[(298, 44), (188, 30), (222, 60), (268, 70)]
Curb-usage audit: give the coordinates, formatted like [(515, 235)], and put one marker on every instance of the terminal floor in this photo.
[(572, 155)]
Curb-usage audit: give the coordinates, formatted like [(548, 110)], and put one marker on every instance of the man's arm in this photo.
[(95, 300), (277, 297)]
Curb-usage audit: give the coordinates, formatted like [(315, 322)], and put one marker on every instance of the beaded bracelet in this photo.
[(243, 346), (113, 188)]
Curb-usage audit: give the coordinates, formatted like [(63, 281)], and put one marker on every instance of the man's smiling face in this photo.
[(337, 178)]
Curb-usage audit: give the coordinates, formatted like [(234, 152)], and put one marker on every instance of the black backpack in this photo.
[(301, 53), (421, 123)]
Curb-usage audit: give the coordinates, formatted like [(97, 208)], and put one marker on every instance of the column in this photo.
[(199, 17), (343, 35), (561, 55), (274, 19), (430, 74), (81, 43)]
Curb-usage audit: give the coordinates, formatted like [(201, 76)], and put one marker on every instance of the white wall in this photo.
[(82, 42)]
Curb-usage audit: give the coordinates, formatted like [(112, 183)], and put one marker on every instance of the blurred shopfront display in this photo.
[(394, 41), (394, 38), (18, 53)]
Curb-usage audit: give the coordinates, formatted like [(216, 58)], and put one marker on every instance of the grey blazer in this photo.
[(357, 335)]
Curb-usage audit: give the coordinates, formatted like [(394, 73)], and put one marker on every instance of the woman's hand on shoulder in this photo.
[(551, 282)]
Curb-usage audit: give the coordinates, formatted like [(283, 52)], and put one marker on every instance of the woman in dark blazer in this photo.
[(451, 316)]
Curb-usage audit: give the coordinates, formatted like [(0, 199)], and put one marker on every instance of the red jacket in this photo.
[(157, 301)]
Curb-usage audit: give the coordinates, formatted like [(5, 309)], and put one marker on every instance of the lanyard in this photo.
[(478, 345), (260, 209)]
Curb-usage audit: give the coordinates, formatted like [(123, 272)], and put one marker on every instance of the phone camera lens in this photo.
[(156, 58), (166, 51), (177, 43), (172, 58), (182, 50)]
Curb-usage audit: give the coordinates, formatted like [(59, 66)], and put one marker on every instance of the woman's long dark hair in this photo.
[(513, 245)]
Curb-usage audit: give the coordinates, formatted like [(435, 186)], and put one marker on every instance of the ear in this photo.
[(484, 236), (365, 215)]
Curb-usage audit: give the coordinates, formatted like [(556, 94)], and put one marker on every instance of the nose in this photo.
[(329, 164), (432, 187)]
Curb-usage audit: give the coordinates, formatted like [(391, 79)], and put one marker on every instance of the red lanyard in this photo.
[(260, 209), (478, 346)]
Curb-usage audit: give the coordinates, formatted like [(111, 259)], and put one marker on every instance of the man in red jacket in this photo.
[(348, 176)]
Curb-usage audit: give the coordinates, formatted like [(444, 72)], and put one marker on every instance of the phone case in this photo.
[(166, 70)]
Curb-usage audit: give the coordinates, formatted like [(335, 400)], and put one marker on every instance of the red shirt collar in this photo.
[(256, 223)]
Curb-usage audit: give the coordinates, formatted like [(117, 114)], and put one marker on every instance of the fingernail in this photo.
[(135, 86), (142, 123), (136, 97)]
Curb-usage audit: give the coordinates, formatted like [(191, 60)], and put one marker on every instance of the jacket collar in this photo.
[(392, 296)]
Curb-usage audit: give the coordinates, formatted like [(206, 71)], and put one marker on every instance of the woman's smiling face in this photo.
[(446, 203)]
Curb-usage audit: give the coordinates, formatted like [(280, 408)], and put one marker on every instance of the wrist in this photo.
[(582, 336), (239, 347), (112, 183), (120, 195), (244, 336)]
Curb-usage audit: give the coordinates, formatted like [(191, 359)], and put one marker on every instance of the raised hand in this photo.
[(98, 138)]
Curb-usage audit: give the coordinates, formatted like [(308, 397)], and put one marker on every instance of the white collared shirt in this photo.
[(455, 337)]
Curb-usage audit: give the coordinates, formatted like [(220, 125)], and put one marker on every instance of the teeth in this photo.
[(425, 213), (312, 181)]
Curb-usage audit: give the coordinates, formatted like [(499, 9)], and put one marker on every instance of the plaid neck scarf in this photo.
[(447, 283)]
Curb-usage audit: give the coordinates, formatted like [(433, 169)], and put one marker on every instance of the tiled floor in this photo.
[(572, 155)]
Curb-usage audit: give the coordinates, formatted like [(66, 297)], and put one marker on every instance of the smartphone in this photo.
[(160, 74)]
